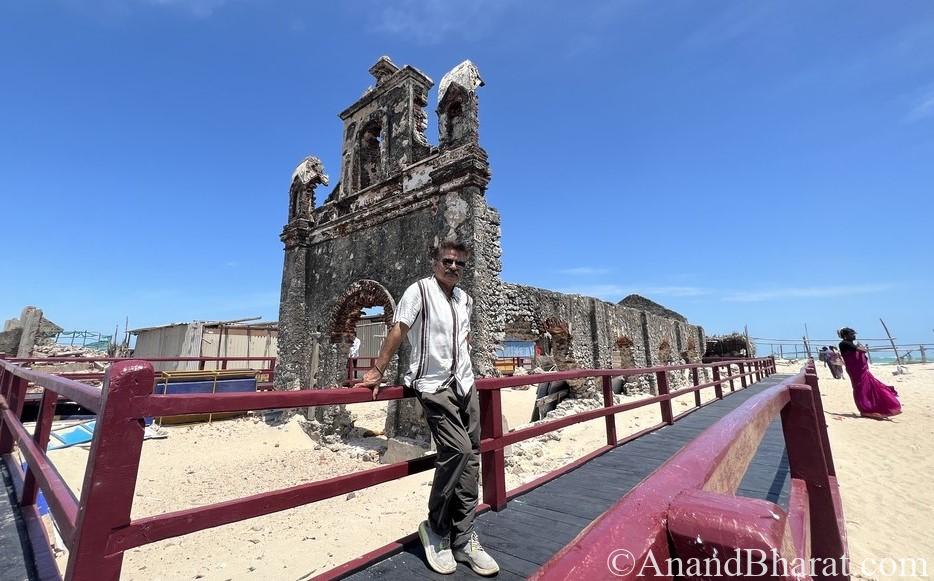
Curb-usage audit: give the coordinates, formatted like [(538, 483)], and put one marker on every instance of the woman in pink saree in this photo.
[(873, 398)]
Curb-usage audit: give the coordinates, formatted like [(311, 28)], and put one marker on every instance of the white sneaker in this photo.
[(437, 550), (474, 555)]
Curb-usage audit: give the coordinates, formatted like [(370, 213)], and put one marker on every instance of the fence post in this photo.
[(15, 399), (742, 374), (806, 462), (493, 463), (717, 389), (729, 372), (696, 381), (810, 378), (608, 402), (6, 381), (661, 378), (110, 476), (41, 438)]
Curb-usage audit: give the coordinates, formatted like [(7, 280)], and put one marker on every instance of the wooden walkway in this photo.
[(536, 525), (15, 554)]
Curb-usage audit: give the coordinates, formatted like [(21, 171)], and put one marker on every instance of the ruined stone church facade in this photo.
[(397, 196)]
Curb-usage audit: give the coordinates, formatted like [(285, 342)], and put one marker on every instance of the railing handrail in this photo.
[(130, 398), (713, 464), (141, 358), (85, 395)]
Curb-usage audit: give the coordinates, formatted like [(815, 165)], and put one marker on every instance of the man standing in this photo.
[(435, 315)]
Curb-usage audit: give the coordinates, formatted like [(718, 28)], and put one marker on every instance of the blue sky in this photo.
[(763, 163)]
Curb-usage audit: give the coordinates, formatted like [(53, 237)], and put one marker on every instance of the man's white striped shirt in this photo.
[(438, 330)]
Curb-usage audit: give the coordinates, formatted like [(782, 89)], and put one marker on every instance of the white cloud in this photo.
[(123, 8), (674, 291), (431, 21), (615, 292), (805, 293), (923, 110), (585, 270), (200, 8)]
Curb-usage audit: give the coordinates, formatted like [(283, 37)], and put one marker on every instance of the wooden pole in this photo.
[(807, 340), (924, 358), (748, 346), (898, 359)]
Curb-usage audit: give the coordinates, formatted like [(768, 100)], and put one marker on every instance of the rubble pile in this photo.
[(732, 345)]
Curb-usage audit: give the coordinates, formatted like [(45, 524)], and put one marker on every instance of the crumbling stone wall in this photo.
[(30, 329), (599, 334)]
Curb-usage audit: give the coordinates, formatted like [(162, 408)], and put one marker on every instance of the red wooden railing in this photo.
[(687, 510), (357, 366), (266, 365), (98, 528)]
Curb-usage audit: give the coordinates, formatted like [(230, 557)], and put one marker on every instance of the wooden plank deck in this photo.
[(15, 554), (535, 525)]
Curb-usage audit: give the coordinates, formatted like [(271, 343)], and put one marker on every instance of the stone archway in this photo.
[(622, 355), (358, 296), (334, 348)]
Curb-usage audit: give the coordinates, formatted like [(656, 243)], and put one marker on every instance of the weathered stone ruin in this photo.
[(397, 196), (21, 335)]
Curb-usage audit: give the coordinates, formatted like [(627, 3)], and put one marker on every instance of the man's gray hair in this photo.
[(436, 250)]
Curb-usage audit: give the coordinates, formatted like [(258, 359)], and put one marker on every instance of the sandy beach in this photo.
[(883, 466), (879, 465)]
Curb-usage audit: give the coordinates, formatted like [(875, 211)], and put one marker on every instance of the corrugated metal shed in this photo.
[(371, 337), (207, 339)]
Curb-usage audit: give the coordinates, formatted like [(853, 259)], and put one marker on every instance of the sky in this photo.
[(767, 164)]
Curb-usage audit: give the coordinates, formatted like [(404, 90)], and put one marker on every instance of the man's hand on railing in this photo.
[(371, 379)]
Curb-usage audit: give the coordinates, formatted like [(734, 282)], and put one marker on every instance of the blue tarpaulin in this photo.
[(524, 349)]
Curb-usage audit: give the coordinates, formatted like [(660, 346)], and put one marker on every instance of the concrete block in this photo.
[(402, 449)]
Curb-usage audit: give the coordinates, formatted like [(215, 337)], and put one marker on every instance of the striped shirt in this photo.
[(438, 329)]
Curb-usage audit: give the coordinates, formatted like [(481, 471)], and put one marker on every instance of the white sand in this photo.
[(879, 465), (884, 467)]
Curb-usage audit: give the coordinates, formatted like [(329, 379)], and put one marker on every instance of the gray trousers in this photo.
[(454, 421)]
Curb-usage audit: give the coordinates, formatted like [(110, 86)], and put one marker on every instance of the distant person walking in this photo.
[(873, 398), (835, 362), (435, 316)]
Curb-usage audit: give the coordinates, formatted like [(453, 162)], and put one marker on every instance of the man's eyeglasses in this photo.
[(449, 262)]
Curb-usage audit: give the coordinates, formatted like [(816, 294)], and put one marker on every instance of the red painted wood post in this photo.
[(696, 381), (806, 462), (607, 402), (6, 441), (758, 371), (810, 378), (729, 372), (110, 476), (718, 388), (15, 398), (742, 374), (41, 438), (493, 463), (661, 378)]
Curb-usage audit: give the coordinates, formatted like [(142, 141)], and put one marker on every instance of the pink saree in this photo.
[(871, 395)]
